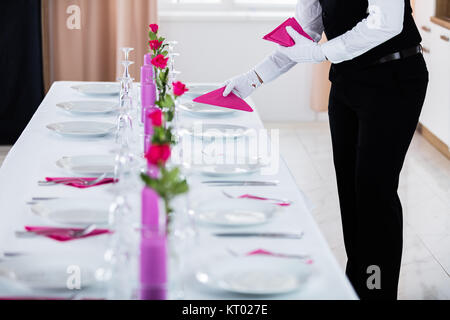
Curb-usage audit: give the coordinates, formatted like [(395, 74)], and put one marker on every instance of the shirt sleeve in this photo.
[(309, 15), (384, 22)]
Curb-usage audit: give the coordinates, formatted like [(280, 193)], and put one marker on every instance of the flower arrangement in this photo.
[(168, 183)]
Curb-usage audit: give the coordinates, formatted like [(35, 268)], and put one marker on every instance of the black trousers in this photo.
[(373, 115)]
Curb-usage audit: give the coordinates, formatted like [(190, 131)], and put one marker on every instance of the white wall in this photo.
[(215, 49)]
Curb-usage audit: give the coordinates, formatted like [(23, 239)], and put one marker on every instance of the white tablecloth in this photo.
[(33, 158)]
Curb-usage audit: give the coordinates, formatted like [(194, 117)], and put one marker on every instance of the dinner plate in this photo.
[(48, 272), (98, 89), (255, 275), (196, 91), (78, 212), (234, 212), (226, 170), (216, 130), (204, 110), (88, 107), (91, 165), (82, 129)]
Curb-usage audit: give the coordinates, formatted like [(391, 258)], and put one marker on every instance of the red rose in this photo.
[(154, 27), (156, 117), (155, 44), (160, 61), (158, 154), (179, 88)]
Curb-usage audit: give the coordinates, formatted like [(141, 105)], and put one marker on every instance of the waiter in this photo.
[(379, 81)]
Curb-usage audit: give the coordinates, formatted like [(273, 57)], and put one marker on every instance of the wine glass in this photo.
[(126, 51)]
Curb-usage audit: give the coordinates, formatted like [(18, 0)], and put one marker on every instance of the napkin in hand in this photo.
[(80, 185), (63, 234), (280, 35), (231, 101)]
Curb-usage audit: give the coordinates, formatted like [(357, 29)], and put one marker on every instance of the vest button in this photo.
[(324, 14)]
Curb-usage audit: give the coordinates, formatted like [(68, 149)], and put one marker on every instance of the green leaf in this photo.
[(152, 35)]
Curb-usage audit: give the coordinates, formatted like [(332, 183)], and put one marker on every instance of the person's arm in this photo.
[(384, 22), (309, 15)]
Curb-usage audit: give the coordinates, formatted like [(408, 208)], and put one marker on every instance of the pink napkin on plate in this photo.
[(249, 196), (216, 98), (263, 252), (63, 234), (280, 35), (80, 185)]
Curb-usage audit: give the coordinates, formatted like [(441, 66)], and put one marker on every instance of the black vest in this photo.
[(340, 16)]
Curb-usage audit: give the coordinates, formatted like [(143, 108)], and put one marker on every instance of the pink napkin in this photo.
[(249, 196), (62, 234), (280, 35), (216, 98), (79, 185), (268, 253)]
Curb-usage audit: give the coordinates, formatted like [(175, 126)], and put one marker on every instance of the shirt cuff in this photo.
[(269, 70), (335, 50)]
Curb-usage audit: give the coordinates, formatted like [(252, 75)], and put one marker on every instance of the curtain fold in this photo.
[(84, 37)]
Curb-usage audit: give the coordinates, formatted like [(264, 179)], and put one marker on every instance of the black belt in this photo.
[(400, 54)]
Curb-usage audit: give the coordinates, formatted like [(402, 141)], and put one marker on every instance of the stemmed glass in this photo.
[(126, 51)]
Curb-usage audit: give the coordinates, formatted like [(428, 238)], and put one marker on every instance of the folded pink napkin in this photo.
[(63, 234), (280, 35), (279, 255), (249, 196), (231, 101), (80, 185)]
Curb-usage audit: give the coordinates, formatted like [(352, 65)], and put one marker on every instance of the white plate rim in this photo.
[(65, 106), (214, 283), (54, 128), (64, 163)]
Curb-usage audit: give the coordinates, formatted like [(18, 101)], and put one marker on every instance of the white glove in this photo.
[(304, 49), (243, 85)]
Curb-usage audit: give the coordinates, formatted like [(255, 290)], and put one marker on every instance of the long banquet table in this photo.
[(33, 158)]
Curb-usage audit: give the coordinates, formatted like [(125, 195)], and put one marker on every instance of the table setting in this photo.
[(156, 190)]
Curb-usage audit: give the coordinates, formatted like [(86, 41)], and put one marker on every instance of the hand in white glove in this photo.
[(243, 85), (304, 49)]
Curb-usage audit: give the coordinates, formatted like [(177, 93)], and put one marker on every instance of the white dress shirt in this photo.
[(384, 22)]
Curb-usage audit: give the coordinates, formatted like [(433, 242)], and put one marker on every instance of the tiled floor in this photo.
[(425, 194), (424, 190)]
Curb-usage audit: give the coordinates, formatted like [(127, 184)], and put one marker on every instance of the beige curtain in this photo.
[(82, 37), (320, 85)]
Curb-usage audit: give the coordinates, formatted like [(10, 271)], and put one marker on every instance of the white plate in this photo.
[(196, 91), (88, 165), (255, 275), (89, 107), (216, 130), (234, 212), (205, 110), (47, 272), (79, 212), (100, 89), (82, 128), (226, 170)]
